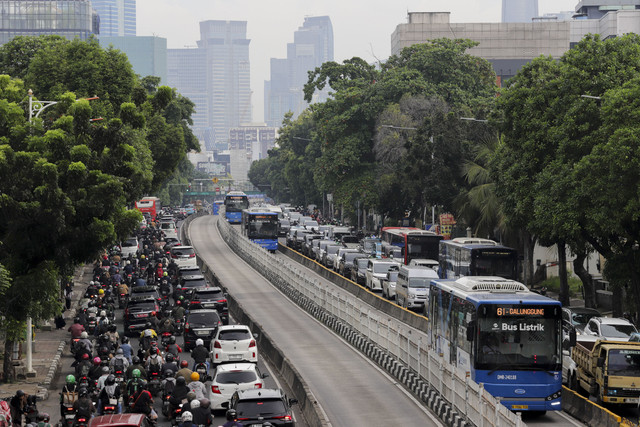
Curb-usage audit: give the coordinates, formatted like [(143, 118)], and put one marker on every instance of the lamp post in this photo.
[(38, 107)]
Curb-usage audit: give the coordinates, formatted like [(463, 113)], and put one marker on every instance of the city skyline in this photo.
[(361, 28)]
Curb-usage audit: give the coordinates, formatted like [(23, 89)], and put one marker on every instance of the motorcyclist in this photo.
[(119, 362), (84, 407), (173, 347), (143, 404), (113, 335), (135, 384), (76, 329), (128, 267), (126, 348), (169, 364), (69, 393), (147, 336), (184, 371), (116, 279), (197, 386), (200, 354), (201, 412), (178, 311), (86, 343), (103, 378), (102, 325), (187, 420), (136, 365), (167, 325), (96, 369), (43, 420), (232, 417), (83, 369), (154, 361), (178, 396), (110, 394)]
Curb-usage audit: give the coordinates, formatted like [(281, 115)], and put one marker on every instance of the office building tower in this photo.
[(519, 10), (70, 19), (117, 17), (216, 77), (312, 46), (147, 55)]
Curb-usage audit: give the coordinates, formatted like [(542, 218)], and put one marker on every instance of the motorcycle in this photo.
[(80, 422), (201, 369), (168, 385), (176, 415), (179, 326), (154, 385), (31, 410), (111, 407), (164, 339), (68, 415)]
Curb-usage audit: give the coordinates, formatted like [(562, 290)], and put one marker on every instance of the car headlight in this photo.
[(392, 285), (411, 294)]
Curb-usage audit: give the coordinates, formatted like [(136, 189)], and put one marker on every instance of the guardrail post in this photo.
[(496, 412), (409, 349)]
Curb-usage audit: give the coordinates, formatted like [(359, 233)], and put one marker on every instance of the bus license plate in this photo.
[(520, 407)]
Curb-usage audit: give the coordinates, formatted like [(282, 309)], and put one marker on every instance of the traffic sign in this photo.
[(214, 180)]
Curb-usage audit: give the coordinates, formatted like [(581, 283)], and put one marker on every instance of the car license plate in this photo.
[(235, 357), (202, 332), (142, 315), (207, 304), (520, 407)]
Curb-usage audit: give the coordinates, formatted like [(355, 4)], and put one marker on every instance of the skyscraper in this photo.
[(312, 46), (216, 77), (147, 55), (519, 10), (70, 19), (117, 17)]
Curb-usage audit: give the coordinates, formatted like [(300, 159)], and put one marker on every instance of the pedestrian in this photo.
[(60, 322), (17, 404)]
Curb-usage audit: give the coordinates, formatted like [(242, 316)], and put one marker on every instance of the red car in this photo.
[(120, 420)]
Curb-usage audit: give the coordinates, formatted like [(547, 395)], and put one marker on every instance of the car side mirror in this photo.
[(225, 405), (255, 335), (263, 376)]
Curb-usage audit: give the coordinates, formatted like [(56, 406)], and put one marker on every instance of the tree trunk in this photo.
[(7, 368), (585, 277), (635, 288), (562, 272), (529, 244)]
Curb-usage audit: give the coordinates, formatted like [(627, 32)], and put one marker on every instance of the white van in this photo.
[(412, 287), (376, 271)]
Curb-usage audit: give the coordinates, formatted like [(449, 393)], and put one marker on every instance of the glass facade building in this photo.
[(117, 17), (147, 55), (67, 18)]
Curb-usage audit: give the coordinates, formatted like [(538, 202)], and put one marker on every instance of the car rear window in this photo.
[(236, 377), (234, 334), (130, 243), (256, 408), (167, 225), (208, 294), (178, 251), (208, 319), (195, 283), (142, 305)]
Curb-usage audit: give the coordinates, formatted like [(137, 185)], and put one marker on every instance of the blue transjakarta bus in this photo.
[(261, 227), (507, 337), (216, 206), (234, 203), (470, 256)]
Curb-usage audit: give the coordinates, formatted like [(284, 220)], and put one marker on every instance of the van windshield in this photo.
[(419, 282)]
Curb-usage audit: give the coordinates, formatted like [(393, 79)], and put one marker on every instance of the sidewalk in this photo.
[(48, 347)]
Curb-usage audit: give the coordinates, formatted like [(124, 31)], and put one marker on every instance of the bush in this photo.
[(553, 285)]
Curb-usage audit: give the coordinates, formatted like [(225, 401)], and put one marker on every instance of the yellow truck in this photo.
[(607, 370)]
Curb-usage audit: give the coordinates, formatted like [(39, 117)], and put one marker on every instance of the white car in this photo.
[(169, 229), (608, 328), (129, 247), (232, 377), (233, 343), (184, 256), (376, 271)]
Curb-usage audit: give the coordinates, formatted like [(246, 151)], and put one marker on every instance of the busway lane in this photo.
[(350, 389)]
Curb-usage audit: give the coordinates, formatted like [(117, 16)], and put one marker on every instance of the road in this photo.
[(350, 389)]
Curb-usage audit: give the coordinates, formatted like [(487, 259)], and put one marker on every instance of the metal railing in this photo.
[(403, 348)]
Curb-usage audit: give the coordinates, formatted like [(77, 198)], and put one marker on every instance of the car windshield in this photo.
[(582, 318), (362, 262), (381, 267), (256, 408), (419, 282), (236, 377), (167, 225), (234, 335), (208, 319), (617, 331)]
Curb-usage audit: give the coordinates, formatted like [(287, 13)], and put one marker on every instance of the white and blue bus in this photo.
[(261, 227), (470, 256), (507, 337), (234, 203)]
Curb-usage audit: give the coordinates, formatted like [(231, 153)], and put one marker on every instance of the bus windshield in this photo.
[(490, 263), (512, 337), (236, 203), (624, 362)]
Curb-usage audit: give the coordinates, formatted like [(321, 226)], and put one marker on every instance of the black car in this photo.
[(138, 312), (212, 297), (200, 324), (187, 285), (257, 406), (145, 292)]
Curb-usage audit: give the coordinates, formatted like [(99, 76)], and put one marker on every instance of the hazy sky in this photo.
[(360, 27)]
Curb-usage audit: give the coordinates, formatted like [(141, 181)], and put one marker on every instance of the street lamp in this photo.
[(397, 127), (473, 119), (38, 107), (590, 97)]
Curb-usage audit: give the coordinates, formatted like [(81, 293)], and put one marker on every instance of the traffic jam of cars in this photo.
[(153, 342)]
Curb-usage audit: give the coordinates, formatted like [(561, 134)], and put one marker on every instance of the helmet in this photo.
[(71, 379), (92, 283), (101, 292), (195, 403), (84, 335), (181, 298), (102, 312), (205, 403), (119, 351), (178, 302), (199, 341), (105, 370), (127, 262), (231, 415), (96, 360), (165, 274), (169, 357), (147, 325), (172, 339), (184, 364), (195, 376), (85, 356), (135, 360), (125, 340), (83, 392), (186, 416), (142, 256), (113, 328), (111, 380), (135, 373), (159, 265), (181, 380), (19, 393), (168, 373), (45, 417)]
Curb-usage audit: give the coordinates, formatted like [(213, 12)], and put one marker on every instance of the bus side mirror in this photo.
[(572, 337), (471, 331)]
